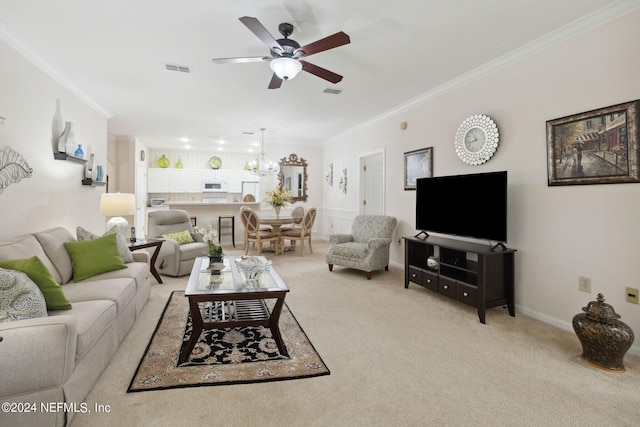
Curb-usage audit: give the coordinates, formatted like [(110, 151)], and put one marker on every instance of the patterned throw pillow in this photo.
[(182, 237), (20, 297), (123, 247)]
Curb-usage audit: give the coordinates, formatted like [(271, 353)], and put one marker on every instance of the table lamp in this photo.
[(115, 205)]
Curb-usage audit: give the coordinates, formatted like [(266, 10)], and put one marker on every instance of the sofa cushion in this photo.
[(92, 257), (123, 246), (350, 250), (27, 246), (52, 241), (137, 271), (182, 237), (120, 291), (20, 297), (36, 270), (93, 319)]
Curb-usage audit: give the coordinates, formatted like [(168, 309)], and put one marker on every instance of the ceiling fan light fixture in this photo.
[(286, 68)]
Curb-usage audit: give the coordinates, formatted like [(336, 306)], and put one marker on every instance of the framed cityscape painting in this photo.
[(595, 147), (417, 164)]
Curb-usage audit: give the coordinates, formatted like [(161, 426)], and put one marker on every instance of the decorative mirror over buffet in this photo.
[(293, 177)]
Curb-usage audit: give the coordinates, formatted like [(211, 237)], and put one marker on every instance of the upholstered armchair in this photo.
[(175, 258), (367, 247)]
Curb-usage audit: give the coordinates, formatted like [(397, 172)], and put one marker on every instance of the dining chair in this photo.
[(253, 233), (297, 214), (303, 231)]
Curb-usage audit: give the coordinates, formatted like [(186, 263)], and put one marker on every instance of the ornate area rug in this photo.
[(222, 356)]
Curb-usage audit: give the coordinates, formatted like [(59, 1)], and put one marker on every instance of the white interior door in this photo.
[(141, 201), (372, 184)]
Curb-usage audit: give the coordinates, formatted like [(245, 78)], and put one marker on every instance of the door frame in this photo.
[(361, 183)]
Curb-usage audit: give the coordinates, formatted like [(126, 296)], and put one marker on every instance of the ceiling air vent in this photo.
[(332, 91), (178, 68)]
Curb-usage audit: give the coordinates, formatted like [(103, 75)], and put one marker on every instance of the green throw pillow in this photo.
[(92, 257), (182, 237), (38, 272)]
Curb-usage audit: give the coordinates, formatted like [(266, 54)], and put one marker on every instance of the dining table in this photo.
[(276, 222)]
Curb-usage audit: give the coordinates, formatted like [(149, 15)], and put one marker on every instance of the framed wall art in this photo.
[(417, 164), (595, 147)]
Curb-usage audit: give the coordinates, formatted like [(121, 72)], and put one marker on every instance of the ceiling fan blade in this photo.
[(240, 60), (321, 72), (258, 29), (335, 40), (275, 82)]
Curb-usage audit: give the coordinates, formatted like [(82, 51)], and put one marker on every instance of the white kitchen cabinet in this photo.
[(216, 174), (159, 180), (249, 177), (234, 181), (186, 181)]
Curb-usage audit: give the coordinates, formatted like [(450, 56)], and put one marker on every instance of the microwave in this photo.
[(214, 186)]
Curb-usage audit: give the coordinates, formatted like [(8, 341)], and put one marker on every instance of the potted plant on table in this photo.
[(210, 236), (277, 199)]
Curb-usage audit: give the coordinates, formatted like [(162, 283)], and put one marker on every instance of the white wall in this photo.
[(36, 108), (560, 233)]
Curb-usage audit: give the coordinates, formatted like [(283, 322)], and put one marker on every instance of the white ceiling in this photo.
[(114, 53)]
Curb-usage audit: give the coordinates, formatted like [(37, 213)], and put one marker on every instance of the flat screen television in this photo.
[(472, 205)]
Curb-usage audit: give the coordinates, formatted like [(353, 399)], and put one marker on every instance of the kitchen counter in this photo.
[(205, 214), (202, 204)]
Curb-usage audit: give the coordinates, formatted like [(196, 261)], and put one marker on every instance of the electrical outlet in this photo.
[(632, 295), (584, 284)]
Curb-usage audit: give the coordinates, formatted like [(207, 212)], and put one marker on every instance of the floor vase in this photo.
[(604, 338)]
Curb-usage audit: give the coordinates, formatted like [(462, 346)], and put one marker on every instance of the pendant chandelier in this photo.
[(264, 167)]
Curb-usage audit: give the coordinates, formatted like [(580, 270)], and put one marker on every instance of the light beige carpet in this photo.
[(397, 356)]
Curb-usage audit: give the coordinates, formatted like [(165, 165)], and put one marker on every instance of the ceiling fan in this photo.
[(286, 53)]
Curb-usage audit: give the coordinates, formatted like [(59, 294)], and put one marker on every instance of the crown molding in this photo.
[(562, 34), (9, 37)]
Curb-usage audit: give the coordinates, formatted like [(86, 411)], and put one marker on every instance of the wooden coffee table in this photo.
[(220, 296)]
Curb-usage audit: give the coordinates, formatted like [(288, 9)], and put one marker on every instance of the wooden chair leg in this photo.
[(330, 267), (368, 275), (302, 247), (310, 248)]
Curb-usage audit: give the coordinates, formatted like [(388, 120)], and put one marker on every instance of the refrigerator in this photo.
[(251, 189)]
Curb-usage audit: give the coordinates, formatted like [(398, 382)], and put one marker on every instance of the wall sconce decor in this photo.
[(343, 181), (329, 177), (13, 167)]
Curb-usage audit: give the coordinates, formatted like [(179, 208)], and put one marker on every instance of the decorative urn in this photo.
[(604, 338)]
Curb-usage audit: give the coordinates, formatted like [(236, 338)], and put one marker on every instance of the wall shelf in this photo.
[(88, 181), (69, 157)]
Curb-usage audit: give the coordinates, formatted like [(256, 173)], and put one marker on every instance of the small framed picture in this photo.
[(595, 147), (417, 164)]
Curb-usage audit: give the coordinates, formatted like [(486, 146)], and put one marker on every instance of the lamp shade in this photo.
[(286, 68), (117, 204), (114, 205)]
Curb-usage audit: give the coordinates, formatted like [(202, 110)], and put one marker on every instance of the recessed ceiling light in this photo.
[(184, 139), (250, 150), (256, 144), (332, 91)]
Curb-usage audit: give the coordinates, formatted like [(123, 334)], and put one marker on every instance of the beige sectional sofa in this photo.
[(57, 359)]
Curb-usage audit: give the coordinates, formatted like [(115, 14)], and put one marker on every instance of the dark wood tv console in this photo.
[(469, 272)]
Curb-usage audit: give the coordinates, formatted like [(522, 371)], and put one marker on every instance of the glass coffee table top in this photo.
[(226, 277)]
